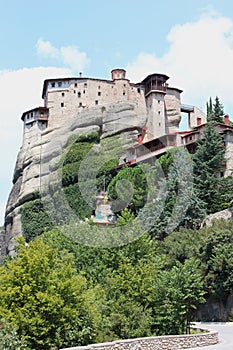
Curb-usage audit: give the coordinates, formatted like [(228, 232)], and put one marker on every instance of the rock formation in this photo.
[(36, 158)]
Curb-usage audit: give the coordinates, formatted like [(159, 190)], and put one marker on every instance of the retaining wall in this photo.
[(168, 342)]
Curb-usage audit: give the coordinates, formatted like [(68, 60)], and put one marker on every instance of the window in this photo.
[(59, 83), (80, 104), (159, 124), (96, 102), (99, 93), (85, 85), (99, 87), (79, 94), (63, 94), (158, 101), (31, 115), (74, 91), (123, 93), (124, 85), (84, 91), (62, 104), (190, 138), (139, 90), (159, 112), (75, 84), (53, 84)]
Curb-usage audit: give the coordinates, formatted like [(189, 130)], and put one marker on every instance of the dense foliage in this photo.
[(215, 111), (59, 292), (35, 219)]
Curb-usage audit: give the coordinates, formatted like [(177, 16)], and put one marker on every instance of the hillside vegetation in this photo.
[(58, 292)]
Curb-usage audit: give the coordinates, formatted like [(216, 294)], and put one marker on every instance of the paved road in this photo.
[(225, 330)]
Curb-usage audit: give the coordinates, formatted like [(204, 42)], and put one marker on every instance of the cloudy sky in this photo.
[(190, 41)]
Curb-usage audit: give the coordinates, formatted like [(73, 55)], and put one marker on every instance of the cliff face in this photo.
[(38, 154)]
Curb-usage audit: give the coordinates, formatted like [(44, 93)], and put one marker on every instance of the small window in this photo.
[(124, 85), (159, 112), (139, 90), (159, 124), (31, 115), (85, 85), (99, 87), (62, 104), (79, 94), (80, 104), (59, 83), (75, 84), (158, 101), (74, 91), (53, 84), (123, 93), (96, 102), (190, 138), (99, 93), (63, 94), (84, 91)]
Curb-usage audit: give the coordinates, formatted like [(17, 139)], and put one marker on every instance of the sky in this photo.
[(191, 41)]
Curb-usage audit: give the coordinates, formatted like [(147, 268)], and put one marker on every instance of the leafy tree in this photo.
[(182, 245), (130, 295), (208, 164), (9, 338), (125, 217), (178, 292), (128, 189), (175, 203), (216, 254), (44, 298)]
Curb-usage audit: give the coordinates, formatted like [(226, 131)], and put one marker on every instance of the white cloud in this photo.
[(74, 58), (45, 48), (20, 91), (71, 56), (199, 60)]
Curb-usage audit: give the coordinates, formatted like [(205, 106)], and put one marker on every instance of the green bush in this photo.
[(34, 219)]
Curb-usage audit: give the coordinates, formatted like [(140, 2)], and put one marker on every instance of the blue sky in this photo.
[(191, 41)]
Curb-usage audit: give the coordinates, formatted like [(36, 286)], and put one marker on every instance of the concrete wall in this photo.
[(156, 343)]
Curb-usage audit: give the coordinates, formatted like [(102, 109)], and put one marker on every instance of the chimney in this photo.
[(80, 74), (198, 121), (226, 119)]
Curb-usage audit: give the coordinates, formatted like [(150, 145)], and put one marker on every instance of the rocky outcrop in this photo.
[(39, 155), (226, 214)]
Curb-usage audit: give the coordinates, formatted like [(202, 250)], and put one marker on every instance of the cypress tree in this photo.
[(209, 107), (218, 111), (215, 111), (208, 164)]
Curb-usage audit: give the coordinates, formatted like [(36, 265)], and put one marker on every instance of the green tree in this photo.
[(208, 164), (44, 298), (215, 111), (218, 110), (128, 189), (209, 108), (178, 292), (9, 338), (216, 254), (34, 219)]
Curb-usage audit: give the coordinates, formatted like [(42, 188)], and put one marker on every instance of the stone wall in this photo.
[(168, 342)]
